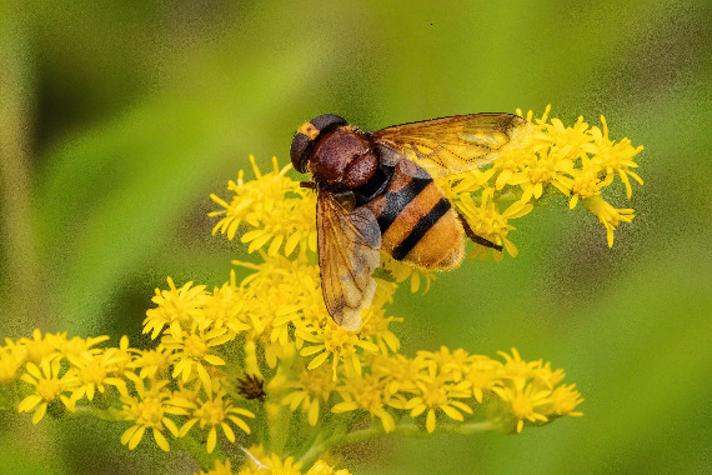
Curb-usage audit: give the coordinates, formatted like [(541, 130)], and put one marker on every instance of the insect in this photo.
[(375, 192)]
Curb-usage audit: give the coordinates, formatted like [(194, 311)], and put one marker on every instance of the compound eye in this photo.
[(327, 121), (298, 152)]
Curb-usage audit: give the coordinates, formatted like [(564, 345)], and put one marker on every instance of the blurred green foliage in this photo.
[(119, 119)]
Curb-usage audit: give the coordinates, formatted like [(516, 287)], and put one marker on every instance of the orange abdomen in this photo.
[(417, 222)]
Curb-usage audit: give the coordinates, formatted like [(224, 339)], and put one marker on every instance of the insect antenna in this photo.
[(478, 239)]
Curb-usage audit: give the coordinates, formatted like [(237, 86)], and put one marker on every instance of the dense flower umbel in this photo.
[(258, 363)]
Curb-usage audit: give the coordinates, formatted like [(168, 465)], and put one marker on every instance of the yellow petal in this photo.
[(430, 421), (389, 425), (214, 360), (160, 440), (418, 410), (318, 360), (126, 436), (186, 427), (39, 413), (310, 350), (212, 440), (241, 424), (171, 426), (344, 407), (229, 434), (34, 370), (204, 378), (29, 403), (136, 437), (452, 413), (313, 413)]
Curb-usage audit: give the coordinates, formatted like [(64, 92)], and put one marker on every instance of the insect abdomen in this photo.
[(417, 222)]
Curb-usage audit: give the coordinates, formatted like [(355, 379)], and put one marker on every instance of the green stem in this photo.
[(110, 414), (344, 438)]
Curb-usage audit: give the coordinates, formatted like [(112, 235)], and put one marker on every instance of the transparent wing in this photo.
[(455, 144), (349, 251)]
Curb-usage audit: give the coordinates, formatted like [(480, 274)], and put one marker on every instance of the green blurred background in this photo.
[(117, 120)]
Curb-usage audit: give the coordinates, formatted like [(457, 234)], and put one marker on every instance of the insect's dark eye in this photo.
[(300, 143), (327, 121)]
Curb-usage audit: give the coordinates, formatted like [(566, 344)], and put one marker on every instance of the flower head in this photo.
[(150, 407), (437, 391), (174, 307), (272, 207), (51, 383), (217, 411)]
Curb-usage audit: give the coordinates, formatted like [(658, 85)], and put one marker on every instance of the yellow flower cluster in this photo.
[(579, 162), (456, 386), (259, 363)]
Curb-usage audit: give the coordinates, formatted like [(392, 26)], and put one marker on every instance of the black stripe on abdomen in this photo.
[(423, 226), (397, 200)]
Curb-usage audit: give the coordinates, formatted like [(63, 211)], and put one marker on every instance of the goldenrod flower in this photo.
[(225, 307), (451, 363), (150, 408), (274, 207), (332, 342), (525, 401), (216, 410), (40, 347), (515, 367), (483, 375), (418, 278), (615, 158), (435, 392), (281, 292), (308, 391), (367, 393), (49, 386), (532, 391), (173, 307), (152, 363), (120, 357), (192, 350), (77, 346), (564, 400), (376, 326), (94, 372), (488, 222), (609, 216), (11, 359), (399, 372)]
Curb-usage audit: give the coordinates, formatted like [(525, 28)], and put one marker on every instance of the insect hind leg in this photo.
[(478, 239)]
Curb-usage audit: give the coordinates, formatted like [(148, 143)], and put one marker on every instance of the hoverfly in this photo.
[(375, 192)]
